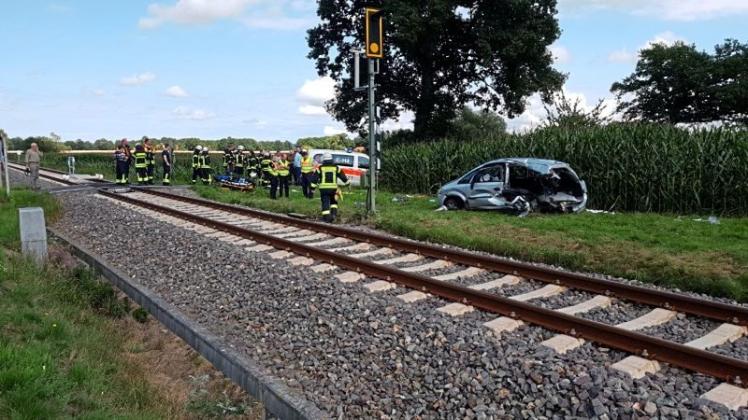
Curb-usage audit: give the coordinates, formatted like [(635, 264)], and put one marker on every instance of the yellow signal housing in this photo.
[(374, 33)]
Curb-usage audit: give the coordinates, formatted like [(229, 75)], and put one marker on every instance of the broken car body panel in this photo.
[(517, 185)]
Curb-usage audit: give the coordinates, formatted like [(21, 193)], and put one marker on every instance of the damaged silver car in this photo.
[(519, 186)]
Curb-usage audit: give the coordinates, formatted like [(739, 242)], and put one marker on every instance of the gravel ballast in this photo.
[(357, 354)]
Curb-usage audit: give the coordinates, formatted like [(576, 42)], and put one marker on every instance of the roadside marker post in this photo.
[(33, 233), (4, 160)]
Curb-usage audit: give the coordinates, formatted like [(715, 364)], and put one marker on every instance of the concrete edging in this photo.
[(274, 395)]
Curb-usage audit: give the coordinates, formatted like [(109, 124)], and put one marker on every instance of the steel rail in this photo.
[(96, 180), (661, 298), (712, 364), (92, 181), (22, 168)]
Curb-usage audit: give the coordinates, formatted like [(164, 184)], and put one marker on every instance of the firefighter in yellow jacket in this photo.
[(327, 176), (141, 164)]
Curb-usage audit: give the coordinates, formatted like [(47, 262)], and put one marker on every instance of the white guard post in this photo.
[(33, 233)]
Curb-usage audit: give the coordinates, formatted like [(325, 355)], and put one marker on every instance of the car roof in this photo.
[(539, 165)]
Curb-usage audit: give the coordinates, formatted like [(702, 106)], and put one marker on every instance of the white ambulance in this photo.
[(354, 165)]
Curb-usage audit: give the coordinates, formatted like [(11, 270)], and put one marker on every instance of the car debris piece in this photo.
[(518, 186)]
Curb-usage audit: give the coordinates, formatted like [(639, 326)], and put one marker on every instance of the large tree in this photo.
[(440, 56), (679, 84), (730, 89)]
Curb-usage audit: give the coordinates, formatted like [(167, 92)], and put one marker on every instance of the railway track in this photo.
[(62, 178), (431, 271)]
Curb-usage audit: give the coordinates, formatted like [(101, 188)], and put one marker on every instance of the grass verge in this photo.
[(68, 347), (674, 251)]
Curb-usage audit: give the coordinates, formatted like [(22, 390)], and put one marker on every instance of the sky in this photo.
[(216, 68)]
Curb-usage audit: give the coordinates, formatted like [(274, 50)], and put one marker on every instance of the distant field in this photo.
[(103, 163)]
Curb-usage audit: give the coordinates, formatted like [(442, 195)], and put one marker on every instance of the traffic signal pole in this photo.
[(373, 159), (374, 49)]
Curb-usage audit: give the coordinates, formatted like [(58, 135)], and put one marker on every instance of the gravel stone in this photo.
[(683, 329), (361, 355)]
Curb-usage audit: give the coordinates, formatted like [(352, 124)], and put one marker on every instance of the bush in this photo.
[(140, 315), (631, 167), (99, 295)]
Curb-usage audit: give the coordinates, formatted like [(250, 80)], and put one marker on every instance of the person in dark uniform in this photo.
[(266, 168), (307, 174), (273, 174), (239, 162), (283, 173), (253, 163), (205, 168), (229, 156), (150, 160), (141, 164), (328, 175), (128, 159), (196, 159), (120, 162), (166, 159)]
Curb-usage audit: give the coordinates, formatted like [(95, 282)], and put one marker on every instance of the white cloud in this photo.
[(188, 113), (276, 22), (193, 12), (625, 56), (59, 8), (561, 54), (535, 114), (98, 92), (667, 38), (312, 110), (331, 131), (313, 95), (138, 79), (263, 14), (403, 122), (678, 10), (176, 92)]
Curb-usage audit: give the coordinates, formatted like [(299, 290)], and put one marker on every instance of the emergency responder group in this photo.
[(273, 171), (144, 158)]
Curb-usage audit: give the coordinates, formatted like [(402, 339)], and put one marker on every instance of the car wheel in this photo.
[(453, 203)]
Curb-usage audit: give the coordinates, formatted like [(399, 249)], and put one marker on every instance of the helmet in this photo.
[(240, 147), (327, 157), (205, 149), (266, 154), (199, 148)]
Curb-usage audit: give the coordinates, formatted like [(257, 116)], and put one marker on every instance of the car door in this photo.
[(486, 184)]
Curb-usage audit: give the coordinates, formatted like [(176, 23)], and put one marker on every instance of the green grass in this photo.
[(662, 249), (59, 360), (59, 356), (9, 233)]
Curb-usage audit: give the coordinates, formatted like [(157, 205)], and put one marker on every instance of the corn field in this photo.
[(628, 167)]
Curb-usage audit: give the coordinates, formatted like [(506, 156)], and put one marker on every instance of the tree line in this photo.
[(441, 56), (53, 144)]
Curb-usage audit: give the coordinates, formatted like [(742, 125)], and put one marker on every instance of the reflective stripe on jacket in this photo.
[(205, 162), (328, 175), (282, 168), (307, 165), (141, 160)]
